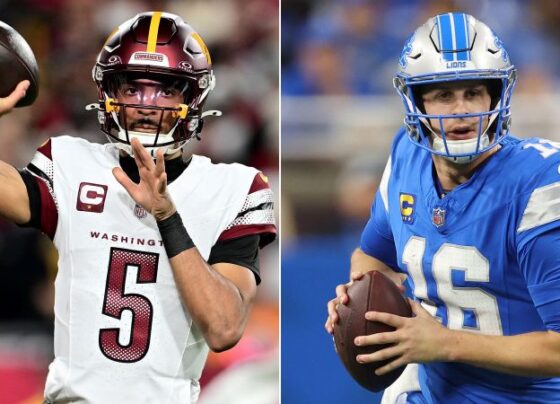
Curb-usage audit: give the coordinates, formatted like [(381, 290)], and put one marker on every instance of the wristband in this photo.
[(174, 235)]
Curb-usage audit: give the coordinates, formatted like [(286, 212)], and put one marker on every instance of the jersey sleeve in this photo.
[(38, 178), (256, 216), (538, 244), (540, 262), (377, 237), (242, 251)]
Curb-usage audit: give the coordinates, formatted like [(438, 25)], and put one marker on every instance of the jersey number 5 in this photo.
[(116, 301), (462, 303)]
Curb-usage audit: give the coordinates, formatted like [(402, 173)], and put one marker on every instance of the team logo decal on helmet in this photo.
[(407, 50), (160, 48), (500, 45), (455, 47)]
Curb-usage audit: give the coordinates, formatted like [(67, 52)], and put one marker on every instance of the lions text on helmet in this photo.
[(153, 76), (449, 49)]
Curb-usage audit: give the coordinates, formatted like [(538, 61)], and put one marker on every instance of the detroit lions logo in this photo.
[(500, 45), (407, 50)]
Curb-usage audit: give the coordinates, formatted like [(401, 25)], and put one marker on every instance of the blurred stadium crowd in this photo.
[(339, 114), (339, 47), (66, 36)]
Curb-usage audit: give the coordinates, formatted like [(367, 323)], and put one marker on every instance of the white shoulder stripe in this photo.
[(384, 185), (44, 164), (255, 217), (543, 207), (46, 182), (257, 198)]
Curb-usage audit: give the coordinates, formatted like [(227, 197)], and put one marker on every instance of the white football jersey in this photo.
[(122, 334)]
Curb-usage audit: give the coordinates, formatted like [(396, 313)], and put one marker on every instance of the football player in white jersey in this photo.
[(158, 253)]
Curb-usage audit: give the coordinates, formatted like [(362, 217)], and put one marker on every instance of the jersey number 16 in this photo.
[(468, 308)]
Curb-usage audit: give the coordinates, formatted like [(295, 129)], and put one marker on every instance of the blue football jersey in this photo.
[(484, 258)]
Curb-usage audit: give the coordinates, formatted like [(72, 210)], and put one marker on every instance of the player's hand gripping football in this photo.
[(342, 296), (418, 339), (151, 193), (8, 103)]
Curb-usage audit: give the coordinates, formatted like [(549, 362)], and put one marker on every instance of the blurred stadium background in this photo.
[(339, 114), (66, 35)]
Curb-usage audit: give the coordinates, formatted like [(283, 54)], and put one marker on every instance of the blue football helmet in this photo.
[(455, 47)]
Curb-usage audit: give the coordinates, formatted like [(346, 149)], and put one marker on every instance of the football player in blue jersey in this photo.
[(469, 215)]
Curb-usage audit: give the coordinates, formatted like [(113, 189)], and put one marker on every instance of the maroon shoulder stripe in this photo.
[(259, 182), (45, 149)]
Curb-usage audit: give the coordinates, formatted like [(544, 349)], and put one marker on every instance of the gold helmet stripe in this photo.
[(110, 36), (152, 36), (198, 39)]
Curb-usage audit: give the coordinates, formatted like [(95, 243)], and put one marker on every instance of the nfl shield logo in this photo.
[(140, 212), (438, 217)]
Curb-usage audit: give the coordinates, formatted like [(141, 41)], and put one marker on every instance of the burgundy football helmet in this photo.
[(160, 48)]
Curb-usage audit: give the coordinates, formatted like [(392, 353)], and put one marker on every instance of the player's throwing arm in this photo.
[(14, 203)]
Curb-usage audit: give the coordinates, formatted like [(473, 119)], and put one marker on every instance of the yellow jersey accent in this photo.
[(198, 39), (154, 28), (263, 177)]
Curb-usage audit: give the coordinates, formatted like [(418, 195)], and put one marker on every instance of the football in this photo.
[(17, 63), (374, 292)]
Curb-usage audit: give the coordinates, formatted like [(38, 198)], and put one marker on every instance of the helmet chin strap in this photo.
[(167, 150), (460, 147)]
